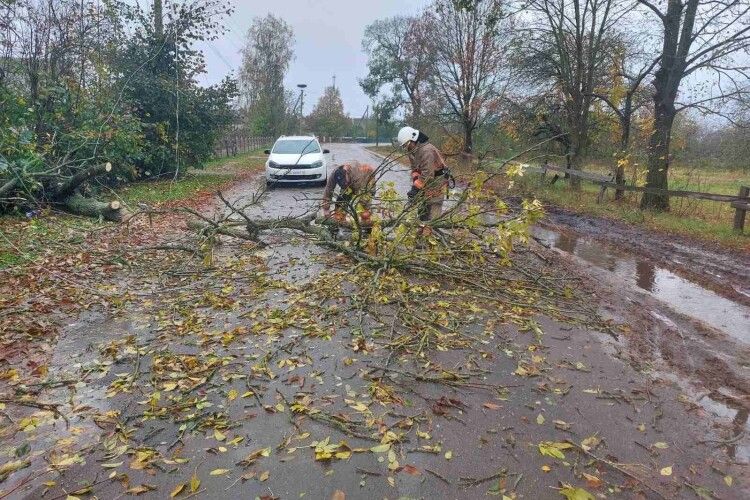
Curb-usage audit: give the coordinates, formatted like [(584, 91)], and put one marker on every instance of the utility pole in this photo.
[(302, 87), (158, 19)]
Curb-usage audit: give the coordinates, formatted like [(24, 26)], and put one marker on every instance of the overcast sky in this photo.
[(328, 41)]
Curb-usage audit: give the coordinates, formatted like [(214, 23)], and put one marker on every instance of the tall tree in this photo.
[(399, 56), (328, 118), (470, 41), (266, 56), (701, 38), (564, 50), (625, 90)]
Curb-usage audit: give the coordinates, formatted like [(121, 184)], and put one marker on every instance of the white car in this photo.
[(297, 158)]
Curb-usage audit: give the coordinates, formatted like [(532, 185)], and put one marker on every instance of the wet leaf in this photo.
[(661, 445), (218, 472), (177, 490), (10, 467), (553, 449), (232, 395), (381, 448), (592, 480), (590, 443), (140, 489), (666, 471), (195, 483), (411, 470), (218, 435), (264, 476), (573, 493), (448, 455), (546, 468), (540, 419)]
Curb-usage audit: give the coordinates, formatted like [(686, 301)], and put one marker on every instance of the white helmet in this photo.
[(407, 134)]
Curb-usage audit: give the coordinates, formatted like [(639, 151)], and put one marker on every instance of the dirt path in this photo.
[(260, 376)]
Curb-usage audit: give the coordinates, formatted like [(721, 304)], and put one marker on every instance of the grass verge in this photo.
[(23, 240)]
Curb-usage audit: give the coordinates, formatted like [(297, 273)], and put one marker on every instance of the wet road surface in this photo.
[(196, 329)]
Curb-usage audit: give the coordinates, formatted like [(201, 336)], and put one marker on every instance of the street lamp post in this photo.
[(302, 87)]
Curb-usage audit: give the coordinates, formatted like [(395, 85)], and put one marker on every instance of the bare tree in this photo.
[(470, 42), (699, 38), (564, 49), (399, 55)]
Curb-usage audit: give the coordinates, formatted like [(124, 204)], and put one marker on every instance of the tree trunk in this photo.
[(66, 189), (89, 207), (8, 187), (624, 148), (658, 158), (468, 139)]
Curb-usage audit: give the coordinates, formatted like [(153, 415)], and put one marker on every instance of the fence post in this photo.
[(740, 210)]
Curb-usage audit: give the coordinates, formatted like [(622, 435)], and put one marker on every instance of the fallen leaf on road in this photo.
[(540, 419), (492, 406), (177, 490), (573, 493), (264, 476), (195, 483), (338, 495), (218, 472), (661, 445), (666, 471), (553, 449)]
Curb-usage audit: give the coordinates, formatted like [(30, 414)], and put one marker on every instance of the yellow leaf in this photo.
[(169, 386), (661, 445), (195, 483), (218, 435), (590, 443), (218, 472), (572, 493), (448, 455), (666, 471), (280, 408), (381, 448), (177, 490), (232, 395), (264, 475), (540, 419), (553, 449), (546, 468), (728, 480)]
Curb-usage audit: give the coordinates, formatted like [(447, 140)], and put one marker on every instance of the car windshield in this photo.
[(296, 146)]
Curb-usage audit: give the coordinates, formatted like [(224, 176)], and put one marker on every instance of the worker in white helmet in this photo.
[(429, 173)]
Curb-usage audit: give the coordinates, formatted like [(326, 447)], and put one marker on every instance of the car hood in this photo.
[(294, 159)]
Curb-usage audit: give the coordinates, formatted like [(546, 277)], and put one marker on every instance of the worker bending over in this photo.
[(429, 174), (356, 183)]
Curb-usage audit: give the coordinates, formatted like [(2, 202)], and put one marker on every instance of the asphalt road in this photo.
[(489, 437)]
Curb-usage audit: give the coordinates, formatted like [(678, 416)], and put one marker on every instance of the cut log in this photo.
[(8, 187), (66, 189), (107, 210)]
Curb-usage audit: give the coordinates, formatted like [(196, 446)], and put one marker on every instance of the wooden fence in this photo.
[(741, 202), (233, 144)]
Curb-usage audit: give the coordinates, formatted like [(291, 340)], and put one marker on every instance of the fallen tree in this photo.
[(51, 187)]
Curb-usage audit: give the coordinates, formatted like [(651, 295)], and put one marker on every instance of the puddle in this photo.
[(682, 295)]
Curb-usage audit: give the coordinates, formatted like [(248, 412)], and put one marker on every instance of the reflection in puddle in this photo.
[(682, 295), (728, 408)]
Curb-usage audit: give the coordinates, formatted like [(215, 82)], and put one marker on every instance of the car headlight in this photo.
[(317, 164), (273, 164)]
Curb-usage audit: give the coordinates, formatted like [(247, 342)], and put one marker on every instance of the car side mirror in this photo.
[(267, 151), (326, 151)]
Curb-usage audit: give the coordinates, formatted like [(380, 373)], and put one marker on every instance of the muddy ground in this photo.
[(257, 374)]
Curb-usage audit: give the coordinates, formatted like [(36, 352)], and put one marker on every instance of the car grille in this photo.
[(291, 177), (295, 167)]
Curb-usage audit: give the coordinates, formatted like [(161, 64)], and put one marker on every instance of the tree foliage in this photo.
[(265, 61), (84, 83), (328, 118)]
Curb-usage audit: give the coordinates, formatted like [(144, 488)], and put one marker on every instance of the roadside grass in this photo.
[(704, 220), (23, 240)]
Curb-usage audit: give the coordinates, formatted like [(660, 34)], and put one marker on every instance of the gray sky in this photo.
[(328, 41)]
